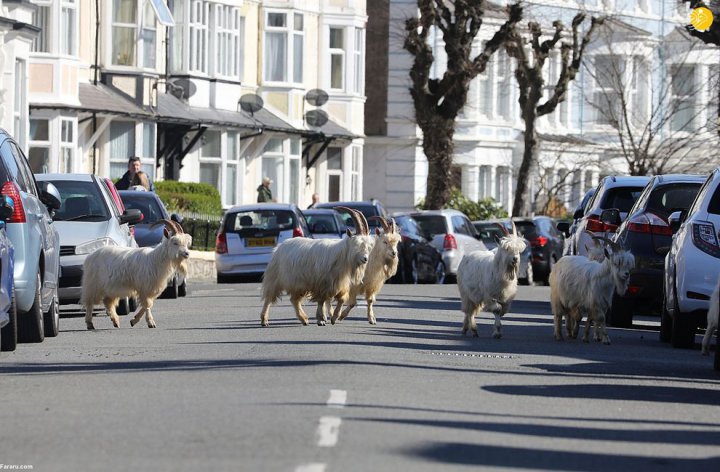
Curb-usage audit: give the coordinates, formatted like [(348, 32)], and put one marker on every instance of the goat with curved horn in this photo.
[(169, 226), (361, 226), (383, 222)]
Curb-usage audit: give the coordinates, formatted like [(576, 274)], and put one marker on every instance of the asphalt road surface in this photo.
[(210, 390)]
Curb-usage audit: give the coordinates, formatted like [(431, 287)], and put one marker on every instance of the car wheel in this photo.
[(665, 323), (546, 277), (172, 290), (413, 271), (9, 335), (123, 307), (440, 272), (52, 318), (182, 289), (132, 304), (683, 329), (224, 279), (621, 312), (30, 325), (529, 280)]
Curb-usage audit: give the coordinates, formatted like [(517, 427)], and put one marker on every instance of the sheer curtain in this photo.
[(124, 21), (275, 57), (122, 146)]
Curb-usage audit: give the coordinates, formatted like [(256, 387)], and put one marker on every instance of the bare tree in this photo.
[(659, 128), (529, 76), (437, 102)]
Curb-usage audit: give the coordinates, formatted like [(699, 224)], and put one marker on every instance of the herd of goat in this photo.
[(326, 270)]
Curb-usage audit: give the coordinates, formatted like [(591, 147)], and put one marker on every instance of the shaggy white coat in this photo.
[(382, 264), (487, 280), (579, 285), (320, 268), (113, 272), (712, 319)]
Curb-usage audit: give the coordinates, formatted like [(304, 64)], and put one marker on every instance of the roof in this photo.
[(262, 206), (568, 139), (59, 176), (617, 25), (319, 211)]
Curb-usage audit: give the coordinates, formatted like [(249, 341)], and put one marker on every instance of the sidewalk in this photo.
[(201, 265)]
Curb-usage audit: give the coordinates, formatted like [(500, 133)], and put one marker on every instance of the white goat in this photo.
[(579, 285), (112, 272), (712, 319), (487, 280), (382, 264), (320, 268)]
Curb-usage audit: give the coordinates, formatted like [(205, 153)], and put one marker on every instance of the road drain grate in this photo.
[(472, 354)]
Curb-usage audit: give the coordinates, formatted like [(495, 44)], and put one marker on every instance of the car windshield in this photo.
[(81, 201), (621, 198), (320, 223), (670, 198), (526, 228), (148, 206), (431, 224), (254, 220)]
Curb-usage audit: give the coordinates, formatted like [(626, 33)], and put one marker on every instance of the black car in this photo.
[(546, 242), (647, 234), (419, 261), (367, 208), (153, 210)]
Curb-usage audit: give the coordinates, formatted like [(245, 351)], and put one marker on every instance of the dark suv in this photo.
[(367, 208), (546, 241), (647, 234)]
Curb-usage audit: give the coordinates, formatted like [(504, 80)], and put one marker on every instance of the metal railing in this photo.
[(203, 228)]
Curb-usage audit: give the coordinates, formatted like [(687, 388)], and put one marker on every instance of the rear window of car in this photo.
[(488, 231), (673, 197), (621, 198), (81, 201), (148, 206), (714, 206), (248, 222), (431, 224), (367, 212), (526, 228), (322, 223)]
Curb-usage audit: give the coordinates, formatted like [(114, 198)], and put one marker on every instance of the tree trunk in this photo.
[(529, 159), (438, 147)]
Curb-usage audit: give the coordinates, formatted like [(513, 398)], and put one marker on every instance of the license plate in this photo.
[(260, 242)]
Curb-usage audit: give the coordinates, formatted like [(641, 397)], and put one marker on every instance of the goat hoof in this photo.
[(264, 323), (321, 323), (372, 321), (132, 323), (90, 327), (151, 326), (475, 335), (497, 335)]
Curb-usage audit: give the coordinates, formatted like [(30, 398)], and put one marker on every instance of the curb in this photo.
[(201, 265)]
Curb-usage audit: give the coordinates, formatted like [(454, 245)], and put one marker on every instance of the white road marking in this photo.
[(337, 399), (311, 468), (328, 431)]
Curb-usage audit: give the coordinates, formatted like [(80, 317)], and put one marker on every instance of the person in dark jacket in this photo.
[(126, 181), (264, 192)]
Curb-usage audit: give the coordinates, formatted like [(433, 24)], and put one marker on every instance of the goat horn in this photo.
[(168, 224), (359, 228), (364, 221), (615, 246), (178, 226), (514, 228), (393, 225), (383, 222)]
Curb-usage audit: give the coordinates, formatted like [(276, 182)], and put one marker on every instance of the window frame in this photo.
[(291, 34)]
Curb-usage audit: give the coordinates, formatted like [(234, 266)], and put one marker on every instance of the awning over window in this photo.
[(102, 100)]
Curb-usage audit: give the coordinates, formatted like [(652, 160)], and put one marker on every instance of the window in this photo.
[(124, 18), (122, 146), (712, 99), (227, 41), (41, 18), (683, 90), (337, 58), (149, 36), (231, 166), (58, 23), (198, 30), (20, 108), (504, 93), (273, 166), (359, 62), (502, 186), (294, 161), (334, 173), (67, 146), (39, 149), (211, 158), (68, 28), (149, 149), (280, 38), (609, 72), (355, 193)]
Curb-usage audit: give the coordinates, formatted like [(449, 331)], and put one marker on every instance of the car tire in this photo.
[(440, 272), (9, 334), (52, 318), (683, 329), (413, 271), (224, 279), (132, 304), (529, 280), (717, 354), (172, 290), (621, 312), (665, 323), (182, 289), (123, 307), (31, 327)]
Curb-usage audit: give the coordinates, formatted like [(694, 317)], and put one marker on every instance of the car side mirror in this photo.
[(611, 216), (176, 218), (578, 214), (131, 216), (564, 228), (49, 195), (676, 219)]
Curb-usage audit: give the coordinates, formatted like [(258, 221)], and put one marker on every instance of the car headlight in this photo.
[(92, 246)]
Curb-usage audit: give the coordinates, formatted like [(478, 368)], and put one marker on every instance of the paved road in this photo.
[(209, 389)]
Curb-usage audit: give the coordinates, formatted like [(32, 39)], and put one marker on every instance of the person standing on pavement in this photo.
[(315, 201), (264, 192), (126, 181)]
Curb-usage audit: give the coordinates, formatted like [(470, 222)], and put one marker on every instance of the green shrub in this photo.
[(189, 197), (481, 210)]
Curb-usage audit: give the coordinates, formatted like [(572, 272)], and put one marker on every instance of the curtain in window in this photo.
[(123, 40), (274, 167), (67, 44), (231, 185), (41, 19), (275, 57), (122, 146)]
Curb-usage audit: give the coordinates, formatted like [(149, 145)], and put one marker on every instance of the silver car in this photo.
[(86, 220), (36, 243), (451, 233)]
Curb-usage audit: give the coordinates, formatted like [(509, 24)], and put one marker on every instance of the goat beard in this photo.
[(358, 274), (512, 271)]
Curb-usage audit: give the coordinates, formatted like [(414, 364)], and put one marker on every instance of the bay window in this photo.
[(359, 59), (281, 37), (134, 34), (121, 147), (67, 146), (334, 173), (39, 145), (231, 169), (227, 41), (337, 58), (58, 23), (683, 91), (211, 158)]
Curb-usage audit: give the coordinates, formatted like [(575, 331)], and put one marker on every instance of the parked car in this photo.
[(647, 234), (367, 208), (451, 233), (546, 244), (249, 234), (418, 260), (36, 241), (325, 223), (619, 192), (692, 266), (86, 220), (153, 210), (8, 310), (570, 228), (490, 229)]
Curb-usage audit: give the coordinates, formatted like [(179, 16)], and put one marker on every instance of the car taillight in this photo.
[(594, 225), (297, 232), (221, 244), (649, 223), (11, 190), (539, 241), (449, 242), (704, 237)]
